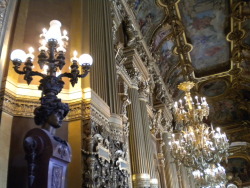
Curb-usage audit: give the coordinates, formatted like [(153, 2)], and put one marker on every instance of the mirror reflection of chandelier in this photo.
[(212, 177), (197, 146)]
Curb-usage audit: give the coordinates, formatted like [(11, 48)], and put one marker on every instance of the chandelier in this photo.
[(212, 177), (197, 146)]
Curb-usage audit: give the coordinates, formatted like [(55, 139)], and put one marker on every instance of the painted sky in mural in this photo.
[(148, 15), (240, 168), (167, 63), (161, 34), (205, 22), (213, 88)]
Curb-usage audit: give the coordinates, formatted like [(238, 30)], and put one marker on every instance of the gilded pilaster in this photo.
[(143, 92), (170, 168), (103, 78), (139, 166)]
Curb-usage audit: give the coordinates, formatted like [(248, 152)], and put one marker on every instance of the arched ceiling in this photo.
[(208, 42), (199, 40)]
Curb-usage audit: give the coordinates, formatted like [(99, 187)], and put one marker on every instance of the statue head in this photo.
[(52, 113)]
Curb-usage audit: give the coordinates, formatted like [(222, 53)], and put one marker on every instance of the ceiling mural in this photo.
[(235, 107), (204, 25), (246, 42), (148, 15), (239, 168), (161, 34), (246, 27), (214, 88), (205, 22)]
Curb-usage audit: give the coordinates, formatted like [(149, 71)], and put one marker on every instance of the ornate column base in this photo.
[(141, 180), (154, 183)]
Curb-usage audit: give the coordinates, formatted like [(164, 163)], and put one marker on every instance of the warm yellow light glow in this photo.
[(31, 50), (18, 55), (75, 53), (65, 32), (44, 30), (141, 176), (87, 93), (154, 181)]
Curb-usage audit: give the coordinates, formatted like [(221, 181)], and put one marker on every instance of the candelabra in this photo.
[(51, 59), (212, 177), (197, 146), (42, 147)]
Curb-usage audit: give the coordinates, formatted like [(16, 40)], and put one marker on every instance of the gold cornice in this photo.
[(126, 10), (182, 48)]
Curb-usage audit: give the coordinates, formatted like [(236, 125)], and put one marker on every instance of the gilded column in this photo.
[(103, 73), (104, 154), (139, 166), (170, 169), (147, 134)]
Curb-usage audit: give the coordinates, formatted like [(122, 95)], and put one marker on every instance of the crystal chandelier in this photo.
[(212, 177), (197, 146)]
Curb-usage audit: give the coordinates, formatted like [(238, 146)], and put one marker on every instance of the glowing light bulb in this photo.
[(44, 30), (85, 59), (31, 50), (18, 55), (43, 47), (30, 54), (54, 32), (74, 58), (75, 53), (65, 32)]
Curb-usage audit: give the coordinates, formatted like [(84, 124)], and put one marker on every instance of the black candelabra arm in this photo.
[(75, 73), (27, 70)]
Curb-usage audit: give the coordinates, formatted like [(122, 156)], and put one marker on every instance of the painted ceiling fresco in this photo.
[(148, 15), (246, 42), (205, 24), (213, 28)]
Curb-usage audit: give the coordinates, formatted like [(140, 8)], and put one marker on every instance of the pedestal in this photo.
[(48, 157)]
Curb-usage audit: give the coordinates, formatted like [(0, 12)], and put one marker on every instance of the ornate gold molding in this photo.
[(17, 105)]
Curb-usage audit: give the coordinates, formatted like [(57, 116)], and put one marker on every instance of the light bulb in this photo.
[(44, 31), (74, 58), (85, 59), (30, 54), (65, 32), (75, 53), (54, 31), (18, 55), (31, 50)]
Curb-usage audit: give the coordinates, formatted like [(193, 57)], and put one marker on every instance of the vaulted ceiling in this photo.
[(208, 42)]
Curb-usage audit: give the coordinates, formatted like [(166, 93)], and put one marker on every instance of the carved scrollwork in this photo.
[(156, 122), (133, 73), (143, 89), (102, 154), (236, 35), (160, 93), (130, 32)]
